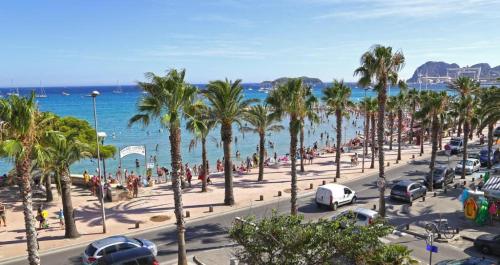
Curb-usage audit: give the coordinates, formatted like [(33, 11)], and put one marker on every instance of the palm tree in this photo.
[(413, 101), (291, 99), (489, 115), (228, 106), (63, 152), (434, 104), (337, 98), (372, 111), (308, 112), (200, 123), (21, 144), (168, 98), (467, 88), (391, 109), (261, 120), (364, 107), (380, 66), (401, 100)]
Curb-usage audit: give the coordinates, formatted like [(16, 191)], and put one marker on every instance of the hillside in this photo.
[(439, 69), (307, 80)]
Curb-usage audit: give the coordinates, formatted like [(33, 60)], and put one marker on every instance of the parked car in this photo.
[(483, 156), (456, 145), (474, 155), (109, 245), (496, 132), (334, 195), (468, 261), (471, 166), (441, 177), (133, 256), (408, 190), (359, 216), (488, 244)]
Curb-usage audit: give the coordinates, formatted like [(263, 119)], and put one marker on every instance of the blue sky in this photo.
[(91, 42)]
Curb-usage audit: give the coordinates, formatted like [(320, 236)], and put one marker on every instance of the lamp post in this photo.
[(94, 94), (102, 136)]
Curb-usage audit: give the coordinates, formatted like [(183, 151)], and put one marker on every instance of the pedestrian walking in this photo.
[(3, 213), (60, 216), (135, 185)]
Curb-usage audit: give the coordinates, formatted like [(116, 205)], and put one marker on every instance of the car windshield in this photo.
[(90, 250), (484, 152), (468, 163), (455, 142), (438, 171), (399, 188)]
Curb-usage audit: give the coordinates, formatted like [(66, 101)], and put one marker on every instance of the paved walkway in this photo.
[(157, 202)]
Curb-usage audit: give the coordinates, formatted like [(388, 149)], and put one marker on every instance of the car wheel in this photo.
[(354, 199), (411, 198), (485, 250), (334, 206)]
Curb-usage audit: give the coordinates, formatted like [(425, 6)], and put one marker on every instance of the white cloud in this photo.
[(369, 9)]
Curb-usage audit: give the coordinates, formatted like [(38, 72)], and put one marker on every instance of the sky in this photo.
[(95, 42)]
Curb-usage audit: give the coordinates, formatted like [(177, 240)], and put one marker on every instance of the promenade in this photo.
[(154, 206)]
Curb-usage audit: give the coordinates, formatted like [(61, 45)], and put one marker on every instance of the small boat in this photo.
[(250, 89), (118, 90), (65, 93), (42, 92), (16, 93)]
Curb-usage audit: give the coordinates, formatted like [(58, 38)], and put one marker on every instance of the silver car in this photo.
[(106, 246), (358, 216)]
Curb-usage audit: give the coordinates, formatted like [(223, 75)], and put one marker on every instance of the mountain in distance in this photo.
[(282, 80), (439, 69)]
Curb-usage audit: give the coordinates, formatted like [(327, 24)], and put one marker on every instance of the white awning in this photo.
[(492, 187)]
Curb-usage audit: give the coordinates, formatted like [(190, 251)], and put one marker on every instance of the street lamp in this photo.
[(94, 94), (102, 136)]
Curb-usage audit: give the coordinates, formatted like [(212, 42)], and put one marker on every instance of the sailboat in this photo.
[(16, 93), (65, 93), (42, 92), (118, 89)]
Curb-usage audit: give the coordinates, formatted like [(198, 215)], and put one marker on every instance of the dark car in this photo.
[(496, 132), (408, 190), (483, 156), (488, 244), (133, 256), (468, 261), (441, 177)]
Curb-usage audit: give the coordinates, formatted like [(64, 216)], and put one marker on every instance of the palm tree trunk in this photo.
[(262, 147), (422, 134), (441, 133), (372, 165), (226, 135), (70, 230), (391, 129), (410, 140), (460, 122), (490, 143), (204, 164), (49, 196), (23, 179), (466, 140), (302, 151), (338, 115), (175, 152), (435, 129), (382, 98), (400, 131), (294, 124), (367, 128)]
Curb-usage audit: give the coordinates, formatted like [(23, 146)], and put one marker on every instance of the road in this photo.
[(211, 232)]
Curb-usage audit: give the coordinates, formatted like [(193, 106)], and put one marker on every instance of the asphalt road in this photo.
[(211, 233)]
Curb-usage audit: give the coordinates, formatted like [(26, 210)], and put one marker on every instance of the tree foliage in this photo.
[(288, 239)]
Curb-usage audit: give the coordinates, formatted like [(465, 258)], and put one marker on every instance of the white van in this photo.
[(334, 195)]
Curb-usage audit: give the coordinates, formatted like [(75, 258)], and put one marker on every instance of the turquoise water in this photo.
[(114, 111)]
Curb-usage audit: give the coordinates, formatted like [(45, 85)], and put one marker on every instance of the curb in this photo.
[(468, 238), (197, 261)]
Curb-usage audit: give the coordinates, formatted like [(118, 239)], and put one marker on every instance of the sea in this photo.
[(115, 109)]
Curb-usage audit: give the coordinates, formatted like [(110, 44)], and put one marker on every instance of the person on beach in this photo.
[(40, 218), (86, 178), (189, 176), (60, 216), (93, 185), (3, 213), (249, 164), (135, 186)]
